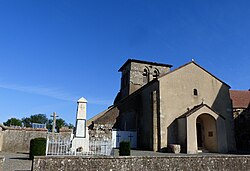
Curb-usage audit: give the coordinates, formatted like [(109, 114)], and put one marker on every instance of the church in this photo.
[(187, 106)]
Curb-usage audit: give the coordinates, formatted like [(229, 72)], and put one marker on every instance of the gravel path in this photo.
[(16, 162)]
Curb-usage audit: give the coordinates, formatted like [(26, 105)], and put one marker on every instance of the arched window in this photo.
[(145, 76), (156, 73), (195, 92)]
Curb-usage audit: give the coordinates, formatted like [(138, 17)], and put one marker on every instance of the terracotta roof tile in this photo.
[(240, 99)]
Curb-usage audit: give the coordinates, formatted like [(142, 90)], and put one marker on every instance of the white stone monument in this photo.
[(80, 141)]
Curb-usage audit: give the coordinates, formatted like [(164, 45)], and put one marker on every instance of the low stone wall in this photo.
[(99, 132), (18, 140), (1, 163), (208, 162)]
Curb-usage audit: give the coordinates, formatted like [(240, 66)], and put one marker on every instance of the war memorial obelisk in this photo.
[(80, 141)]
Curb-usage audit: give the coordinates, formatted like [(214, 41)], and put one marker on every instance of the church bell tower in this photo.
[(137, 73)]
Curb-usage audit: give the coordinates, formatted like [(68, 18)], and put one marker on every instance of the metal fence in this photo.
[(100, 147), (61, 146)]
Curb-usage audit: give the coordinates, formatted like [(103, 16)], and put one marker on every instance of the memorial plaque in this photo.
[(81, 128)]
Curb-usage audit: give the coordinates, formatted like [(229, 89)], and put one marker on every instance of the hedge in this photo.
[(124, 149), (37, 147)]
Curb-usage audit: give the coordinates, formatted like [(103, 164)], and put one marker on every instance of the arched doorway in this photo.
[(206, 133)]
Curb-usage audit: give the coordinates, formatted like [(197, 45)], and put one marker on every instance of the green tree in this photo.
[(71, 126), (37, 118), (50, 124), (41, 118), (60, 123), (13, 122), (26, 122)]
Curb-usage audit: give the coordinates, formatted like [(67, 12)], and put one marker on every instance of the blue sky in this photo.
[(52, 52)]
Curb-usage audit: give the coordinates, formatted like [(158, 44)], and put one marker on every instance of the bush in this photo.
[(124, 149), (37, 147)]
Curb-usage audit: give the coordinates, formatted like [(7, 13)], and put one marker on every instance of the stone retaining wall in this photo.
[(1, 163), (18, 139), (208, 162), (99, 132)]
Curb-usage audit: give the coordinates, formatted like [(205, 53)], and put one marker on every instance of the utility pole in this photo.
[(54, 122)]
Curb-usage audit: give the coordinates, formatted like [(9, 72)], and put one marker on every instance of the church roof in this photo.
[(106, 117), (109, 115), (240, 98), (192, 62), (144, 62)]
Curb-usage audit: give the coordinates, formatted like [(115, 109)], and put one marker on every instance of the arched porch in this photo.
[(202, 129), (206, 133)]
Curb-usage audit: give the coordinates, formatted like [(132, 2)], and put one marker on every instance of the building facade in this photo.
[(241, 114), (187, 106)]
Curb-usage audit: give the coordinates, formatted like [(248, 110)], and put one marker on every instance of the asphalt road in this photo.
[(16, 162)]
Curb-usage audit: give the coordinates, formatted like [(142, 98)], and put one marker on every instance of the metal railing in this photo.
[(62, 147), (58, 147), (100, 147)]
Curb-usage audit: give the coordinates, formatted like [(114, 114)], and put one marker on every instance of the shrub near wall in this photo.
[(124, 149), (37, 147)]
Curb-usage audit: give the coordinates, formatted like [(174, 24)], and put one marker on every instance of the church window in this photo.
[(145, 76), (155, 74), (195, 92)]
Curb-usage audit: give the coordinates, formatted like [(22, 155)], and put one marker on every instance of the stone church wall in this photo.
[(148, 124), (211, 91), (209, 162), (1, 163)]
